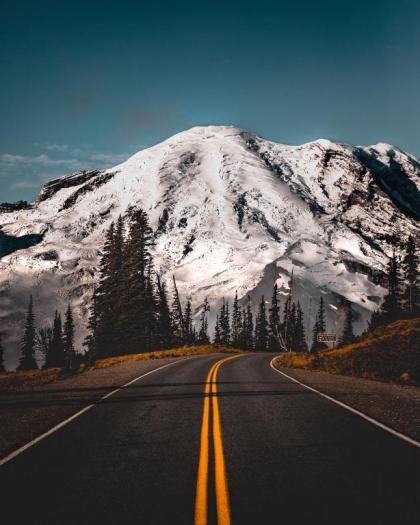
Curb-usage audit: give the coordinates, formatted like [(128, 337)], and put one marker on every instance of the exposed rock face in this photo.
[(231, 211)]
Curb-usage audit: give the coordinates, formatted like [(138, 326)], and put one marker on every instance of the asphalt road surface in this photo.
[(209, 440)]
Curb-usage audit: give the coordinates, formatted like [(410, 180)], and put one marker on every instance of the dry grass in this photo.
[(173, 352), (26, 378), (389, 353)]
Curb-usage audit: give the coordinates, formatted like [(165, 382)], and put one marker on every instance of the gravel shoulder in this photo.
[(28, 412), (396, 406)]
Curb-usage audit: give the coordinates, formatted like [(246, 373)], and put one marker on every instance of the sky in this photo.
[(86, 84)]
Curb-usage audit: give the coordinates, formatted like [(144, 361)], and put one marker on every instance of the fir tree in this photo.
[(2, 367), (27, 360), (140, 308), (69, 352), (249, 327), (224, 323), (104, 306), (165, 332), (300, 344), (217, 338), (274, 321), (319, 328), (44, 342), (348, 336), (410, 265), (203, 337), (236, 322), (391, 307), (188, 327), (261, 328), (56, 355), (177, 315), (91, 339)]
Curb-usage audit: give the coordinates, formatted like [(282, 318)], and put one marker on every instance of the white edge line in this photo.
[(18, 451), (350, 409)]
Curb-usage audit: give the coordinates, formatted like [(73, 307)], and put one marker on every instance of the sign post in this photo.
[(327, 338)]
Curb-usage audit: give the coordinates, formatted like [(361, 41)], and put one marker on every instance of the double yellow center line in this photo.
[(221, 486)]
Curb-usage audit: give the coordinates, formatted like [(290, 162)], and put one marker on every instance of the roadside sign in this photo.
[(327, 338)]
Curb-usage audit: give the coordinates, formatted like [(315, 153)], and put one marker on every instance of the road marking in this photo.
[(350, 409), (52, 430), (221, 485)]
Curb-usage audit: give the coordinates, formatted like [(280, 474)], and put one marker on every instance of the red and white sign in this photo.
[(327, 338)]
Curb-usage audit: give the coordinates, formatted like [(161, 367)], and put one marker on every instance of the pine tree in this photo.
[(274, 321), (165, 333), (91, 339), (27, 360), (56, 356), (391, 307), (236, 322), (2, 367), (217, 338), (410, 267), (203, 337), (188, 327), (249, 324), (140, 308), (224, 323), (348, 336), (319, 328), (300, 344), (177, 315), (261, 328), (69, 352), (44, 342), (104, 298)]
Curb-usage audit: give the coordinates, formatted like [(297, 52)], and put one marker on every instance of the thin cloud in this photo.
[(25, 184)]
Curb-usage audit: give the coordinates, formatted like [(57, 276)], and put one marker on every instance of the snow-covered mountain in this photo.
[(231, 211)]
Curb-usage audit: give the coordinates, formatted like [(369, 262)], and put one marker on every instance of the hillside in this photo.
[(230, 211), (389, 353)]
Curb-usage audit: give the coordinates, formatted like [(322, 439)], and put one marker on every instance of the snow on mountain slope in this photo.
[(230, 211)]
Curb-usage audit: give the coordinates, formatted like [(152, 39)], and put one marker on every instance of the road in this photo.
[(214, 439)]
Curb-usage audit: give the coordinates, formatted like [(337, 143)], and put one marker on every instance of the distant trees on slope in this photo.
[(402, 300)]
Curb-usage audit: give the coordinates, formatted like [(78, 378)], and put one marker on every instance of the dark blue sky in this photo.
[(84, 84)]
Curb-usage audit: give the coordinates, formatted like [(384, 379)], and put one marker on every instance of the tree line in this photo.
[(55, 342), (402, 300), (133, 312)]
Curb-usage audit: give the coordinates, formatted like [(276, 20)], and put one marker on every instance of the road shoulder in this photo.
[(396, 406), (28, 412)]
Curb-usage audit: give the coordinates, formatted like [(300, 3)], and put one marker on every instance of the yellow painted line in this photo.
[(200, 517), (221, 485)]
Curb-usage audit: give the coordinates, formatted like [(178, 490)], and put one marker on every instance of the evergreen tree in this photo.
[(217, 338), (249, 324), (44, 342), (274, 321), (319, 328), (69, 352), (203, 337), (261, 328), (91, 339), (291, 335), (188, 327), (140, 309), (391, 307), (236, 322), (224, 323), (410, 267), (2, 367), (55, 358), (104, 306), (27, 360), (165, 332), (348, 336), (300, 344), (177, 315)]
